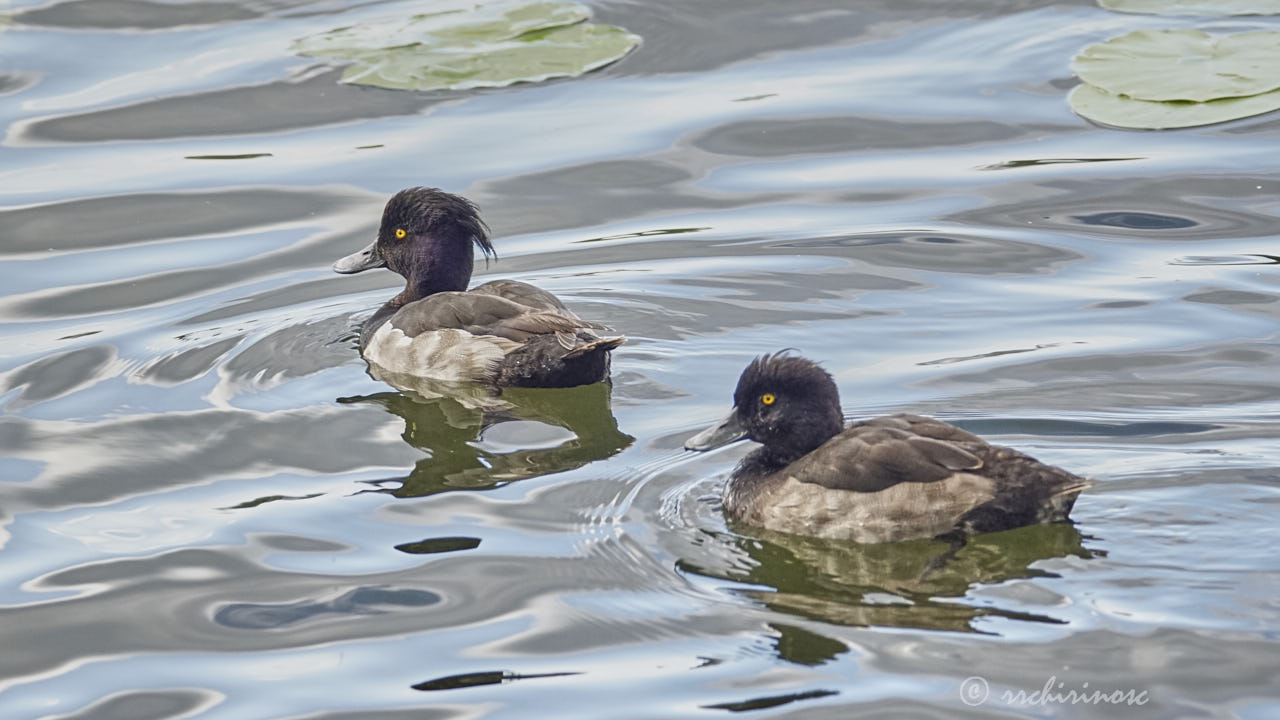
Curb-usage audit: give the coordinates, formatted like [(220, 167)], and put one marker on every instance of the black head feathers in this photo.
[(783, 372), (787, 403), (422, 211)]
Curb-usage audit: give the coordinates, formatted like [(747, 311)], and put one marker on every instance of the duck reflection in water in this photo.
[(477, 440), (910, 584)]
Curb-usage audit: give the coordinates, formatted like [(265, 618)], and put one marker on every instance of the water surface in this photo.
[(209, 510)]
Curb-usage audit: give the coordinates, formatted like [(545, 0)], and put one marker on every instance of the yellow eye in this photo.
[(400, 233), (767, 398)]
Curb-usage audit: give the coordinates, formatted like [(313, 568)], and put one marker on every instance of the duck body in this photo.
[(892, 478), (504, 333)]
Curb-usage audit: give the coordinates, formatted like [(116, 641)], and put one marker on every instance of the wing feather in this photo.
[(873, 456), (489, 314)]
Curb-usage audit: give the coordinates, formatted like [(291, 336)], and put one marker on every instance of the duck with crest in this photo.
[(892, 478), (501, 333)]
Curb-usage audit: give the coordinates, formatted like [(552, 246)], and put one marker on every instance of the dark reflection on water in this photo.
[(682, 38), (315, 98), (535, 204), (1038, 426), (133, 14), (803, 647), (177, 449), (1258, 259), (1230, 297), (270, 498), (496, 677), (908, 584), (990, 354), (770, 701), (361, 601), (798, 136), (11, 82), (1184, 208), (147, 705), (125, 220), (235, 237), (241, 156), (951, 252), (644, 233), (1137, 220), (1040, 162), (187, 365), (431, 546), (56, 375), (297, 351), (476, 440)]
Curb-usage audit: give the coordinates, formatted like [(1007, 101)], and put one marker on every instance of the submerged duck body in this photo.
[(892, 478), (503, 333)]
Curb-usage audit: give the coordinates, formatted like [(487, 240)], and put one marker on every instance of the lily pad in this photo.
[(1194, 7), (489, 45), (1103, 107), (1183, 64)]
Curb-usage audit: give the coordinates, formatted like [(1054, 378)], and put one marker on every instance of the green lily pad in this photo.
[(1194, 7), (1103, 107), (489, 45), (1183, 64)]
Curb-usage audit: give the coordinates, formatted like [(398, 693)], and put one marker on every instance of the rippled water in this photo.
[(209, 510)]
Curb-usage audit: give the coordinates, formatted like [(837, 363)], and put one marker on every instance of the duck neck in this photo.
[(760, 462), (821, 430), (802, 436), (443, 265)]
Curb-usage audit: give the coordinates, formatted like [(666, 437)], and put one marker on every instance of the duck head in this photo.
[(784, 402), (426, 237)]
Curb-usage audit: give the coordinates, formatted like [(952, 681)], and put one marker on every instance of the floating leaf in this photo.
[(491, 45), (1194, 7), (1103, 107), (1183, 64)]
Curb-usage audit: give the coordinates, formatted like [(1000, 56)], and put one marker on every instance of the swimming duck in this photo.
[(897, 477), (502, 333)]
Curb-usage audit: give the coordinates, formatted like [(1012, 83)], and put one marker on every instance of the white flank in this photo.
[(449, 355)]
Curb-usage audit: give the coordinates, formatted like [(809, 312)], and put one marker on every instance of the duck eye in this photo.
[(767, 398), (400, 233)]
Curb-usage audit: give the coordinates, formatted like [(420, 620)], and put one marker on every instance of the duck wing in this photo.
[(522, 293), (536, 298), (485, 314), (923, 426), (881, 453)]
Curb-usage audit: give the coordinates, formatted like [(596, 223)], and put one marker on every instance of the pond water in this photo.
[(209, 510)]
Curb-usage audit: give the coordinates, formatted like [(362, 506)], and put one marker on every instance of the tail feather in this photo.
[(598, 345), (1058, 505), (1073, 489)]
